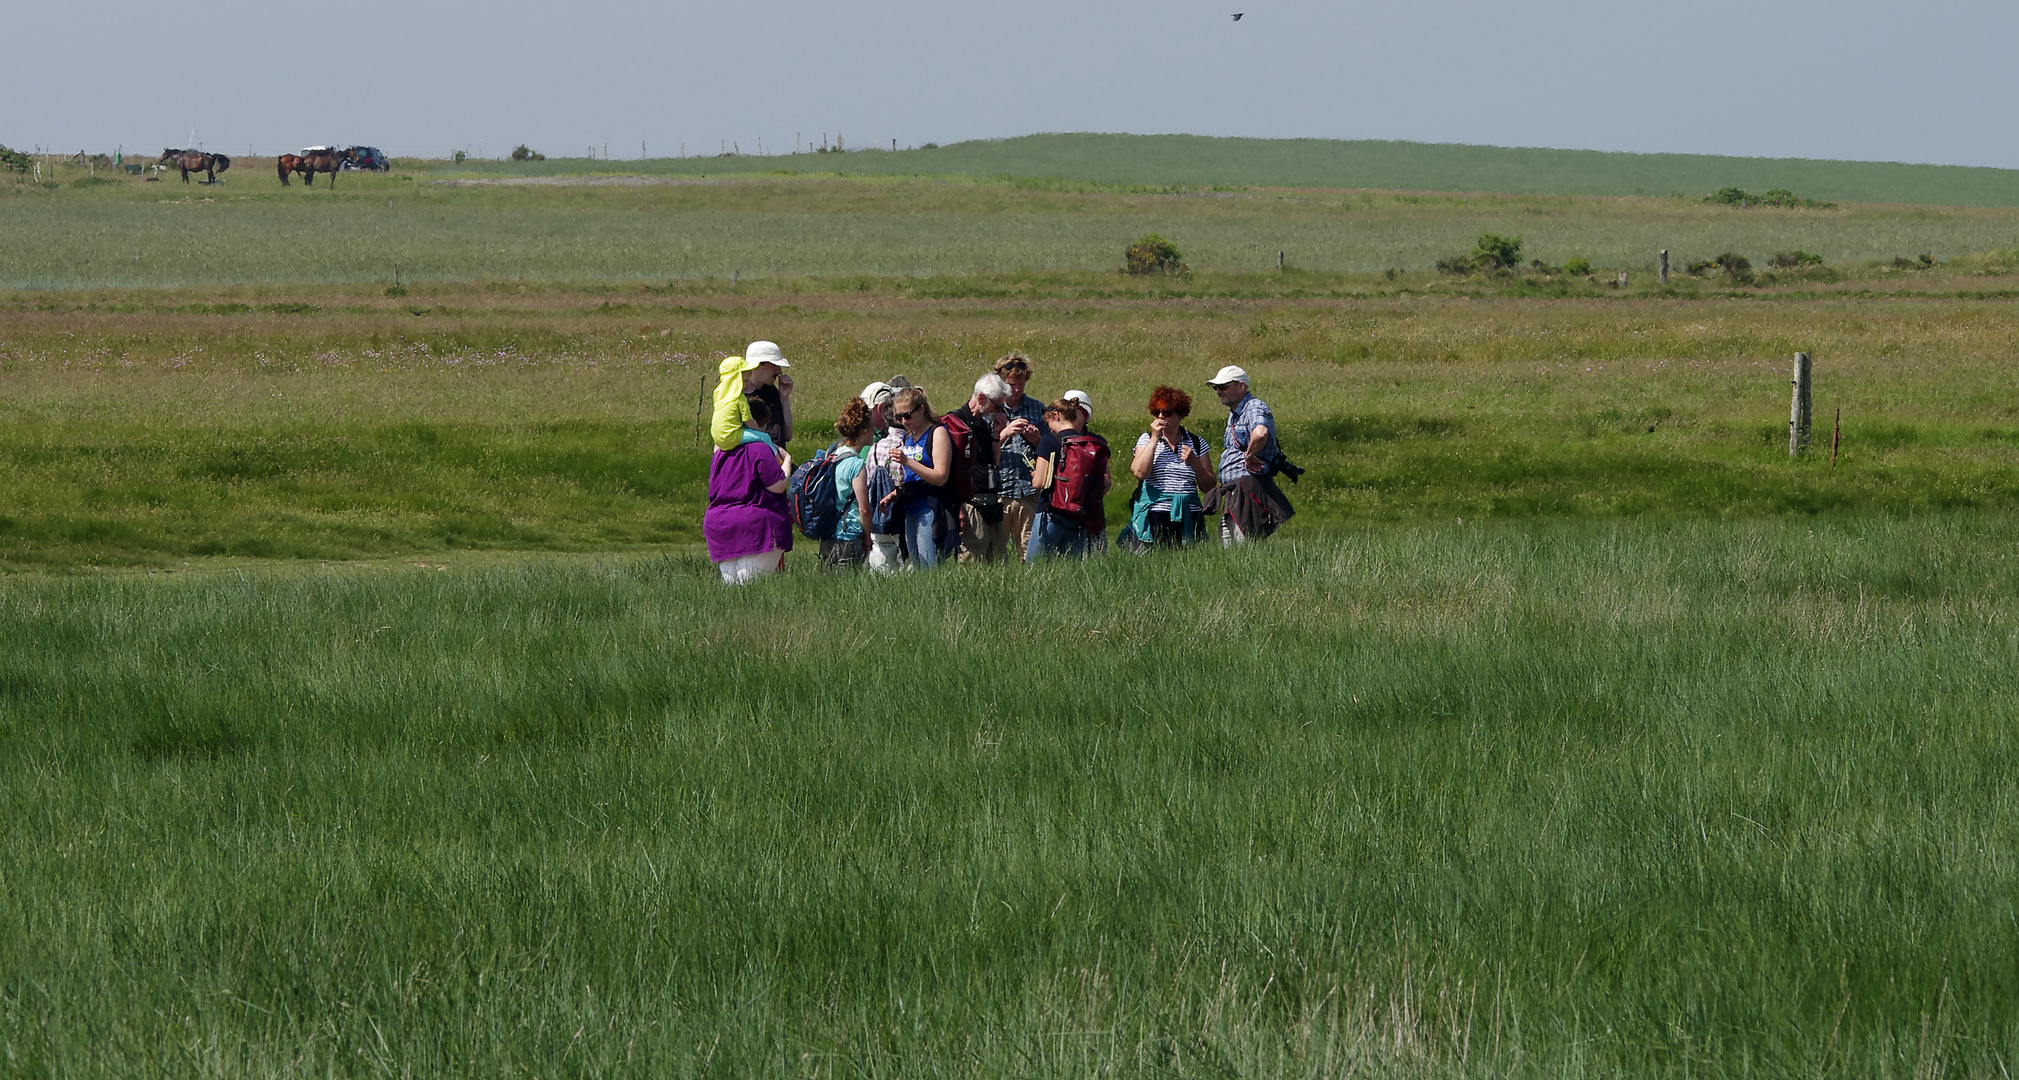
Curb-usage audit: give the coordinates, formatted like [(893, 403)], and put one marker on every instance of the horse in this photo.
[(311, 162), (190, 161)]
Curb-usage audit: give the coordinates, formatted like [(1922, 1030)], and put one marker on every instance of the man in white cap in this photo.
[(1251, 439), (758, 372)]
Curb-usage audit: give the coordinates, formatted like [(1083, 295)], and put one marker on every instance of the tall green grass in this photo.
[(1168, 160), (1675, 800)]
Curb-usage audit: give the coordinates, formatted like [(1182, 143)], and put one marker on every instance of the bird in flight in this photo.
[(1238, 14)]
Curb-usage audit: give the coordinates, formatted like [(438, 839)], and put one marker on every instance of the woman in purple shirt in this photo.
[(748, 525)]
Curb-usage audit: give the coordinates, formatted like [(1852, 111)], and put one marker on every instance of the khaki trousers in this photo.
[(981, 540), (1017, 516)]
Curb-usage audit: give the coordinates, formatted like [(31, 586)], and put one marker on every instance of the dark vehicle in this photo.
[(367, 157)]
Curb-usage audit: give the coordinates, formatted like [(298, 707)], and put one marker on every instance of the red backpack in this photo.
[(960, 481), (1076, 479)]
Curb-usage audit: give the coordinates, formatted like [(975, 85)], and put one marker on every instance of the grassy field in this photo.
[(1652, 799), (150, 429), (367, 707), (561, 229), (1166, 160)]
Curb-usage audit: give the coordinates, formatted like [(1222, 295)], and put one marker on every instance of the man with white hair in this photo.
[(983, 536)]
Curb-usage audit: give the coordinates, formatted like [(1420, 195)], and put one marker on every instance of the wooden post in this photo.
[(1798, 408), (1279, 260), (700, 406), (1664, 266), (1836, 436)]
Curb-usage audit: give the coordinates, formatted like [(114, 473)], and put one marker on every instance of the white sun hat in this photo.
[(1228, 374), (765, 352)]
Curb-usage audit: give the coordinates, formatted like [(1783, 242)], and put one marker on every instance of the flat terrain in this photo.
[(420, 227), (1160, 161), (367, 706)]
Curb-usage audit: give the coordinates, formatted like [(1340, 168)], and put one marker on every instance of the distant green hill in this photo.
[(1166, 160)]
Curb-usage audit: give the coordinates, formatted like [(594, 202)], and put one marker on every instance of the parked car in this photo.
[(368, 157)]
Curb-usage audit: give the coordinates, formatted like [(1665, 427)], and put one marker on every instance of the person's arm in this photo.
[(785, 404), (1202, 463), (1041, 473), (862, 502), (1145, 459), (1258, 437)]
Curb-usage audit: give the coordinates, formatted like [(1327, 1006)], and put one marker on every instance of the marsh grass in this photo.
[(1659, 799)]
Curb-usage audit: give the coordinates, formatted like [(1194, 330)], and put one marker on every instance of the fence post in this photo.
[(700, 406), (1664, 266), (1798, 408), (1279, 260)]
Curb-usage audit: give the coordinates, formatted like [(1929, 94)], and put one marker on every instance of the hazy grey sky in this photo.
[(1928, 81)]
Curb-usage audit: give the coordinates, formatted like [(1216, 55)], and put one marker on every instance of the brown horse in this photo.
[(310, 162), (190, 161)]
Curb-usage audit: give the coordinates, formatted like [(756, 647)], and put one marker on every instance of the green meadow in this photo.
[(368, 706), (1638, 798)]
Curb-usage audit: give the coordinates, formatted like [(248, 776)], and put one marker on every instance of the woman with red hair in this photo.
[(1176, 468)]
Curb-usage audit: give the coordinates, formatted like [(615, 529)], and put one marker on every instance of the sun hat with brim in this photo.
[(1080, 398), (876, 390), (1228, 374), (764, 352)]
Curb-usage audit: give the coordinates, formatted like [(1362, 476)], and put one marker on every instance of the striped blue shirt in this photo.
[(1247, 414)]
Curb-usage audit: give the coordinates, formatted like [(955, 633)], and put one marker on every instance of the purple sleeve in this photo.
[(768, 472)]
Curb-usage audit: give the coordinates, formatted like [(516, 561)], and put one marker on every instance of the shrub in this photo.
[(14, 160), (1737, 267), (1456, 264), (1925, 262), (1495, 252), (460, 155), (1155, 255), (1577, 267), (524, 153), (930, 146), (1780, 197), (1793, 260)]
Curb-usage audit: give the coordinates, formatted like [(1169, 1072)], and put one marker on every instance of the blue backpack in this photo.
[(811, 496)]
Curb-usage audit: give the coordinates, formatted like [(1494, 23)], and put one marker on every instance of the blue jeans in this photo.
[(918, 525), (1054, 534)]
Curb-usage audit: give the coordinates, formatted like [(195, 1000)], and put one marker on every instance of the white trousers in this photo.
[(750, 567)]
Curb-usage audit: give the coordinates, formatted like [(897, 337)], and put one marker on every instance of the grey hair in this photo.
[(992, 387)]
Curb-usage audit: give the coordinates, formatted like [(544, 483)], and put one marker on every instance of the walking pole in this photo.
[(700, 406)]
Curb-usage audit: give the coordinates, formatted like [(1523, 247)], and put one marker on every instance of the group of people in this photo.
[(1004, 475)]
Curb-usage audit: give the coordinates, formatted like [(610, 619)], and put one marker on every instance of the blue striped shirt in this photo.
[(1247, 414), (1168, 471)]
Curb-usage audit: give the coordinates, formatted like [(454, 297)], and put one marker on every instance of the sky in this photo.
[(1883, 80)]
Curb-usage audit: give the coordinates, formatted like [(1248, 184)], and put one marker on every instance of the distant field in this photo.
[(250, 231), (1165, 160)]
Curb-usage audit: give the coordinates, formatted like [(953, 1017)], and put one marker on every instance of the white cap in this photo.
[(1080, 398), (1228, 374), (878, 389), (765, 352)]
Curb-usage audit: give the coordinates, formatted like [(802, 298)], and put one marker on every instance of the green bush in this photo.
[(1577, 267), (1155, 255), (14, 160), (1780, 197), (1495, 252), (523, 153), (1793, 260)]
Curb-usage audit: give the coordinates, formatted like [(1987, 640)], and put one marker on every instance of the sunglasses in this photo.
[(903, 416), (1165, 412)]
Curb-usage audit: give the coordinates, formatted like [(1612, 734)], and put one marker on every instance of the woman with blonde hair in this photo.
[(931, 522)]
